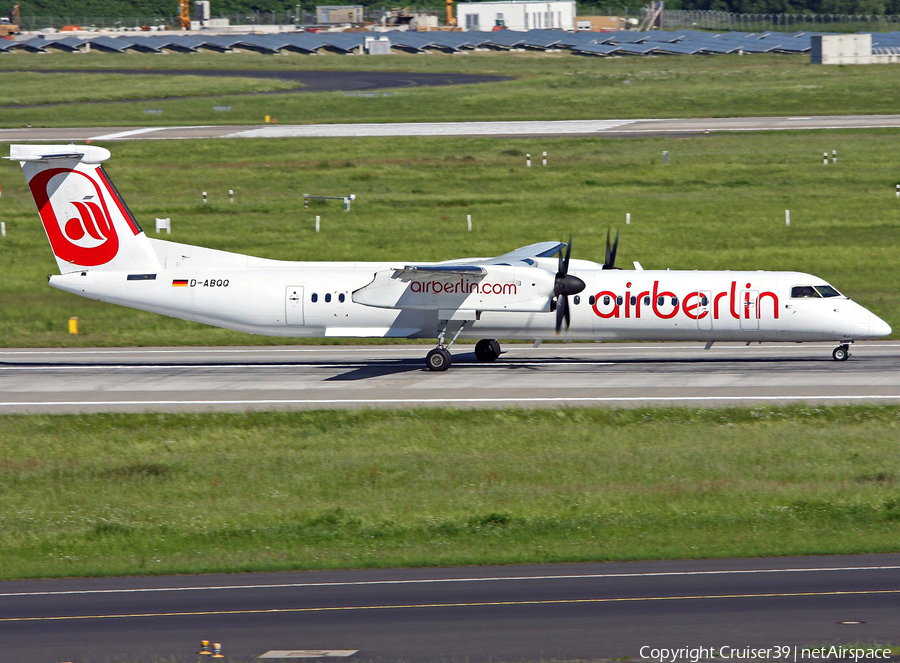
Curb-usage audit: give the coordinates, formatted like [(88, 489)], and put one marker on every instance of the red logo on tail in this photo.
[(87, 235)]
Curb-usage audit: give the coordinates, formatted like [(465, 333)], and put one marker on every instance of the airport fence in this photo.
[(726, 21)]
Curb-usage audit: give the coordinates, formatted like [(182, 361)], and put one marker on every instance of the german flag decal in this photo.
[(179, 283)]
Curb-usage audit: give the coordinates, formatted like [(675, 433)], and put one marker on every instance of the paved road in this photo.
[(554, 375), (514, 613), (307, 81), (605, 128)]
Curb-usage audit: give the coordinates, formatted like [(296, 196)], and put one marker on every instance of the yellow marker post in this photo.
[(268, 119), (73, 325)]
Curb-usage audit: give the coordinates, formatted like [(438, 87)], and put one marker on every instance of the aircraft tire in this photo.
[(487, 349), (841, 353), (438, 359)]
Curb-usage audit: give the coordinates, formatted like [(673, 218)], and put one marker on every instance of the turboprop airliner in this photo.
[(535, 292)]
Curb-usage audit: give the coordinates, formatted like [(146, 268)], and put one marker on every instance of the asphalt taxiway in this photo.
[(610, 128), (513, 613), (553, 375)]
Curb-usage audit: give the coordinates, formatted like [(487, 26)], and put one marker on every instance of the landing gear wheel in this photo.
[(438, 359), (841, 353), (487, 349)]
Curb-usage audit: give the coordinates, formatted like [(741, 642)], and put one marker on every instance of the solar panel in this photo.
[(411, 42), (342, 42), (304, 42), (623, 42), (68, 44), (111, 44), (505, 39), (146, 45), (626, 37), (185, 44), (677, 49), (635, 49), (719, 48), (594, 49), (262, 43)]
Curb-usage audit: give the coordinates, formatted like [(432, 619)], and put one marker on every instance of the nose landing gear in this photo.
[(841, 352), (439, 359)]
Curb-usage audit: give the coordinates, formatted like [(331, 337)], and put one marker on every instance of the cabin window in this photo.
[(606, 300), (674, 301), (633, 300), (592, 300), (660, 301), (341, 298), (647, 300), (315, 297), (619, 300), (827, 291), (704, 301), (577, 300), (800, 291), (327, 297)]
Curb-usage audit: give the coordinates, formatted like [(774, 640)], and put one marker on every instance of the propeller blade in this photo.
[(562, 313), (615, 247), (565, 264), (610, 262)]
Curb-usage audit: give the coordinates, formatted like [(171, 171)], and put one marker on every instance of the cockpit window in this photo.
[(804, 291), (827, 291)]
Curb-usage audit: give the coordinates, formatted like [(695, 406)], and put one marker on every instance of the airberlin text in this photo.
[(774, 653), (746, 303), (463, 287)]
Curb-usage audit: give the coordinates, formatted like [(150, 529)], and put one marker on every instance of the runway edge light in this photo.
[(204, 648)]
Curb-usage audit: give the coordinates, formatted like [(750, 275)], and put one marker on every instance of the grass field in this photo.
[(110, 494), (125, 494), (719, 204), (548, 86)]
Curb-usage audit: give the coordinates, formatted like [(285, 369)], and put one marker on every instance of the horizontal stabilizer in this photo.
[(84, 153)]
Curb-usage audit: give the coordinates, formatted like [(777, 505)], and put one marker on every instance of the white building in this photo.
[(524, 15)]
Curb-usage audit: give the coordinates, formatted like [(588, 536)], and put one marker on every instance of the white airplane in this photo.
[(103, 254)]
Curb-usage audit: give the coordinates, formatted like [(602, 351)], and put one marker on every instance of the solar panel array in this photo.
[(684, 42)]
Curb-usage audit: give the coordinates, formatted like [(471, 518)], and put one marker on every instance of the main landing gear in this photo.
[(487, 349), (841, 352), (440, 359)]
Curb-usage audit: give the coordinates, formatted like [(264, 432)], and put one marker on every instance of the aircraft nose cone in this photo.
[(880, 327)]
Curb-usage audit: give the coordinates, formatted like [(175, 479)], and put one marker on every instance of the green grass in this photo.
[(21, 88), (548, 86), (719, 204), (144, 494)]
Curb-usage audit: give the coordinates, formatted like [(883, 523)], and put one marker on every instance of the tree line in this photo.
[(169, 8)]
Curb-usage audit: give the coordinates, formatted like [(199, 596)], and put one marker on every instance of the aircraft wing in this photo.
[(439, 270), (477, 266), (517, 256)]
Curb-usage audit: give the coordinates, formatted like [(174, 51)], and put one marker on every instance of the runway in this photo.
[(512, 613), (604, 128), (553, 375)]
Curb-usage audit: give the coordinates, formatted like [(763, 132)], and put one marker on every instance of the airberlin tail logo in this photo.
[(81, 230)]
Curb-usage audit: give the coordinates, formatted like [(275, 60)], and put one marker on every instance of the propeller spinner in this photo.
[(564, 286)]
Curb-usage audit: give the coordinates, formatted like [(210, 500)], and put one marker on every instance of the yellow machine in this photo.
[(450, 20), (184, 14)]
